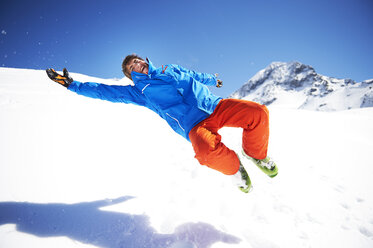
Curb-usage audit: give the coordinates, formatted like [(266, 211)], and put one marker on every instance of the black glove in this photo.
[(64, 79)]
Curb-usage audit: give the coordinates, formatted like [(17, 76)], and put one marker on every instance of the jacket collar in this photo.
[(151, 67), (136, 76)]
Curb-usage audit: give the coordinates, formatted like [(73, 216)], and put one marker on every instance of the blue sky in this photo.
[(234, 38)]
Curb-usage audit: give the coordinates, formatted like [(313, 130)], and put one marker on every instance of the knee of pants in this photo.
[(222, 159), (265, 114), (211, 152), (265, 111), (206, 148), (253, 113)]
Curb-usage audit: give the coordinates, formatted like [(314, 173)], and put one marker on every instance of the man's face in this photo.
[(138, 65)]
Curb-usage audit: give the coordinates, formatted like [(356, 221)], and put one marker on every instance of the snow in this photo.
[(79, 172)]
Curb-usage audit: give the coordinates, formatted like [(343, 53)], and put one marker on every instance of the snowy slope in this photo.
[(79, 172), (297, 85)]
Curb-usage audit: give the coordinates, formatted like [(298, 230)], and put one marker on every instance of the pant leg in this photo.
[(253, 118), (206, 141), (210, 151)]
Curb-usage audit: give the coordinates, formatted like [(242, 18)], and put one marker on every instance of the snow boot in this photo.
[(267, 165), (242, 180)]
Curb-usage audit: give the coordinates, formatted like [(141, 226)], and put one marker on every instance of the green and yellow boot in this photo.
[(242, 180), (267, 165)]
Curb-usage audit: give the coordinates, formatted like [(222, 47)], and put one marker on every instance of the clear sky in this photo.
[(234, 38)]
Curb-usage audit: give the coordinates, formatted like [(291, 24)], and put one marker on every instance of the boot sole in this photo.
[(272, 176)]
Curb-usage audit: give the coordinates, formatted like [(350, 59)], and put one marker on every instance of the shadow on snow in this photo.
[(86, 223)]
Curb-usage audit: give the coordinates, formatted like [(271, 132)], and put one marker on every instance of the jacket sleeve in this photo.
[(205, 78), (112, 93)]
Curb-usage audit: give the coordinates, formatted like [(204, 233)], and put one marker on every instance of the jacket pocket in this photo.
[(176, 120)]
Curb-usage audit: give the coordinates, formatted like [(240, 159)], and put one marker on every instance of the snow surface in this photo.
[(79, 172)]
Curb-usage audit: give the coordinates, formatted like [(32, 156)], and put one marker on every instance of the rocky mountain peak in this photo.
[(299, 86)]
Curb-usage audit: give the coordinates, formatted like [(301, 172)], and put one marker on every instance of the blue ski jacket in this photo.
[(178, 95)]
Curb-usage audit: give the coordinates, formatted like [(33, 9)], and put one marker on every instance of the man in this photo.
[(182, 98)]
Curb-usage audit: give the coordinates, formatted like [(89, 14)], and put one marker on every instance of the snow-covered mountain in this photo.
[(77, 172), (297, 85)]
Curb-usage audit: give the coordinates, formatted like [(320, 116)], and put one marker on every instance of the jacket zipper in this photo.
[(146, 86), (176, 121)]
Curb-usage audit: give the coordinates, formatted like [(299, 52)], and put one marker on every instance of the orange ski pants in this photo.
[(206, 141)]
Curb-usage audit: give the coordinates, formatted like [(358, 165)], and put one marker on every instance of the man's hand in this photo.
[(219, 83), (64, 79)]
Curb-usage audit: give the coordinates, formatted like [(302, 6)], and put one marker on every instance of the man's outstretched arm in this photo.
[(112, 93)]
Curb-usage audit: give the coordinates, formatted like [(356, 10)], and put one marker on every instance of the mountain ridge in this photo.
[(298, 85)]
